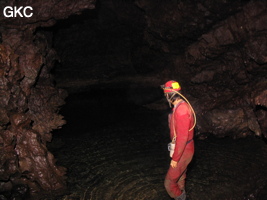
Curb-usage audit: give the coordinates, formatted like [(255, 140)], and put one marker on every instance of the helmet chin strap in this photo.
[(169, 99)]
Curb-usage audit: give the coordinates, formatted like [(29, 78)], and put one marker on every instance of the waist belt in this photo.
[(189, 141)]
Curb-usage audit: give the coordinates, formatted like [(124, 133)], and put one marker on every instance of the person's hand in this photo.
[(173, 164)]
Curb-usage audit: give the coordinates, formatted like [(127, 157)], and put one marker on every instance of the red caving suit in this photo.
[(184, 147)]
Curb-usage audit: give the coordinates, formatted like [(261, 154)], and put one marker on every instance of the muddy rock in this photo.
[(30, 101)]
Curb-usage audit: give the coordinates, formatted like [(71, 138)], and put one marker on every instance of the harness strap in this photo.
[(174, 138), (189, 141), (174, 132)]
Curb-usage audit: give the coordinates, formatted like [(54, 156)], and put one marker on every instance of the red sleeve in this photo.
[(182, 122)]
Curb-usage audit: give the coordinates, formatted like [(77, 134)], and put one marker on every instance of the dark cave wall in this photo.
[(29, 113), (30, 101), (218, 53), (231, 60)]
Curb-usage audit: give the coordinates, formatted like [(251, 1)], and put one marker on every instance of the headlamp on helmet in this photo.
[(171, 86)]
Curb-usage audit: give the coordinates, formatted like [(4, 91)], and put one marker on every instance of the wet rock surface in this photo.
[(29, 100), (29, 105), (114, 150)]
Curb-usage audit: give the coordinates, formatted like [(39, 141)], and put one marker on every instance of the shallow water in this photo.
[(116, 151)]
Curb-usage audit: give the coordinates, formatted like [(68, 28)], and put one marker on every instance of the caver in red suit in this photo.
[(181, 122)]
